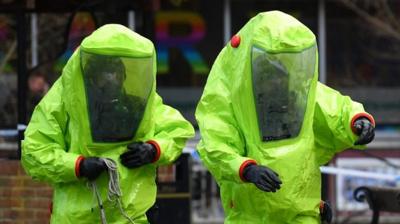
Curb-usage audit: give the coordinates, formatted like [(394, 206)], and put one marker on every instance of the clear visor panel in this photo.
[(117, 90), (281, 83)]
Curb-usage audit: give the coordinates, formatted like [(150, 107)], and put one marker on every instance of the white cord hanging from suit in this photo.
[(114, 191)]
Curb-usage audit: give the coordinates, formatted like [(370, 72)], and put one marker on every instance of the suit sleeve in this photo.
[(221, 147), (333, 119), (44, 155), (171, 133)]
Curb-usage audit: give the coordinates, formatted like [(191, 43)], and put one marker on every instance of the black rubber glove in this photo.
[(138, 154), (325, 211), (365, 130), (263, 177), (91, 167)]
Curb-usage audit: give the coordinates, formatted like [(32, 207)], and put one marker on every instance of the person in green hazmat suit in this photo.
[(267, 124), (104, 107)]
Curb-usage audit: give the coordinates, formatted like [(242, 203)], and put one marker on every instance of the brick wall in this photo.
[(21, 199)]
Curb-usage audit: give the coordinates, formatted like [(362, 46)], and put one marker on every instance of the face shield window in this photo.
[(117, 90), (281, 82)]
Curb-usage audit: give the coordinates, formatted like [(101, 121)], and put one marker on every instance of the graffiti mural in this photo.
[(186, 43), (82, 25)]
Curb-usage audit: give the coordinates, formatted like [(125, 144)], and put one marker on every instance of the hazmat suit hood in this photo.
[(110, 85), (275, 77)]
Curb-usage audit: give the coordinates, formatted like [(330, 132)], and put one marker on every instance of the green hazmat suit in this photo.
[(263, 104), (65, 126)]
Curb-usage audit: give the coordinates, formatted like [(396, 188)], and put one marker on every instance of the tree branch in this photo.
[(382, 25), (8, 56)]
